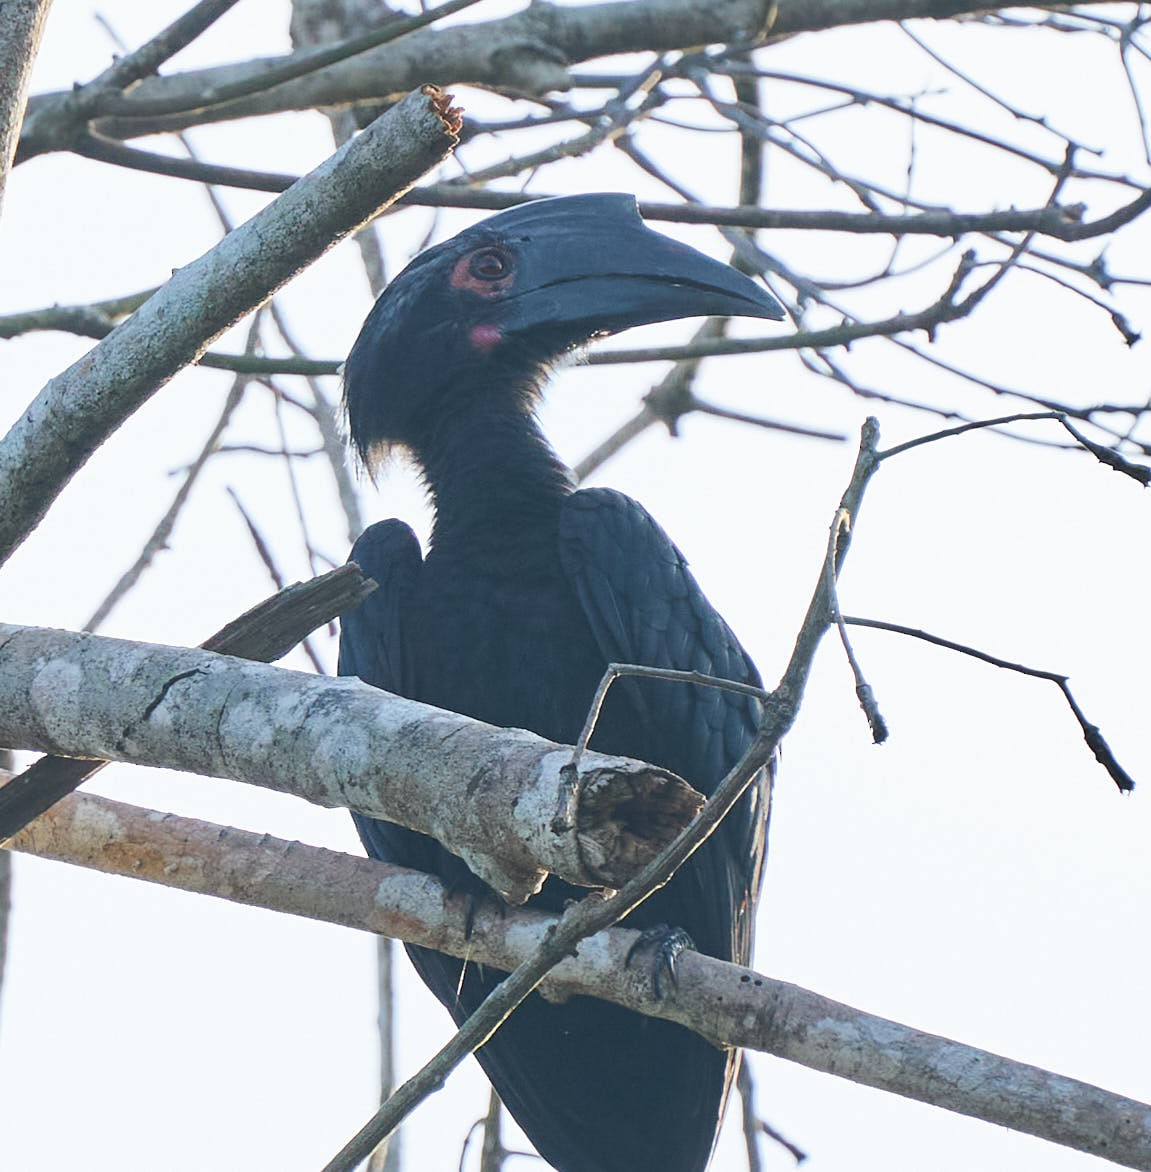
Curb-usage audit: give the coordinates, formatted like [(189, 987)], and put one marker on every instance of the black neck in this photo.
[(493, 477)]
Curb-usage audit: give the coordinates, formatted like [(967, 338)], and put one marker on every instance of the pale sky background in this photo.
[(978, 876)]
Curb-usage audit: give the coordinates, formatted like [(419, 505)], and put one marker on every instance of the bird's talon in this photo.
[(667, 943)]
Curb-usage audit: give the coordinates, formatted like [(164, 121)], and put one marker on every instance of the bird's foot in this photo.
[(666, 944)]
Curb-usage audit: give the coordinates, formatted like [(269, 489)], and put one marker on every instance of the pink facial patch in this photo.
[(489, 288), (485, 338)]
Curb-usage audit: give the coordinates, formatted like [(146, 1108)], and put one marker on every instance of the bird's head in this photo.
[(488, 311)]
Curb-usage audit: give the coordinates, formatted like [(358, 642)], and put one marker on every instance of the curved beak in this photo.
[(597, 268)]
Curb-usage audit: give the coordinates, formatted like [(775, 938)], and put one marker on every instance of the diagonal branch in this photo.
[(508, 802), (298, 65), (265, 633), (80, 408), (731, 1005), (162, 533), (143, 62)]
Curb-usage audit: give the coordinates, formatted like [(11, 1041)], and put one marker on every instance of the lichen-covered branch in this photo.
[(506, 801), (265, 633), (80, 408), (529, 53), (732, 1006)]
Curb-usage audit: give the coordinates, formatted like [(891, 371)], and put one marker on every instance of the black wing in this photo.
[(372, 646), (559, 1066), (645, 607), (371, 636)]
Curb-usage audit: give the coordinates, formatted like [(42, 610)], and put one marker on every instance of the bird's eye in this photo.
[(489, 264)]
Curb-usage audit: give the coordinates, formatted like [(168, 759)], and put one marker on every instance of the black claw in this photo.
[(667, 943)]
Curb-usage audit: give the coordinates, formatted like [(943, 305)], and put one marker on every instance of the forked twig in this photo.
[(1091, 733), (615, 671)]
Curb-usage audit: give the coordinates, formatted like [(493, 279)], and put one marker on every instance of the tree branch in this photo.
[(297, 65), (78, 409), (143, 62), (1092, 734), (730, 1005), (527, 53), (21, 26), (506, 801), (265, 633)]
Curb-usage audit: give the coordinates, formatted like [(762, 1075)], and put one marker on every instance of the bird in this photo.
[(527, 591)]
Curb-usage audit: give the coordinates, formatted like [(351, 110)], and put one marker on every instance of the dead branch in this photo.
[(78, 409), (264, 633), (730, 1005), (506, 801)]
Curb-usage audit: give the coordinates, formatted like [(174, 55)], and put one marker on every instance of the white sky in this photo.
[(977, 877)]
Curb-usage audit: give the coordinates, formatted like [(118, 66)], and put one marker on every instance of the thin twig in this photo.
[(1105, 455), (748, 1118), (158, 541), (298, 65), (615, 671), (863, 689), (1091, 733), (753, 1126), (143, 62)]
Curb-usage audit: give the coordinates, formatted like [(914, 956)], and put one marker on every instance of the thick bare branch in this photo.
[(266, 632), (78, 409), (507, 802), (732, 1006), (526, 53)]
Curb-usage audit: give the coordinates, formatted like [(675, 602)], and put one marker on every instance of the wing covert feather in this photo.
[(371, 636), (644, 606)]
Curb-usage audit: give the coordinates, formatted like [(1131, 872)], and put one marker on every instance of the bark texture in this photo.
[(81, 407), (506, 801), (529, 52), (21, 26), (732, 1006)]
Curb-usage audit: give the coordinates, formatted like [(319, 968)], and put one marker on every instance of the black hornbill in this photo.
[(528, 590)]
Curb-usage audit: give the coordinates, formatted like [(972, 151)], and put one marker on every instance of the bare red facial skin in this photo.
[(485, 338), (464, 279)]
